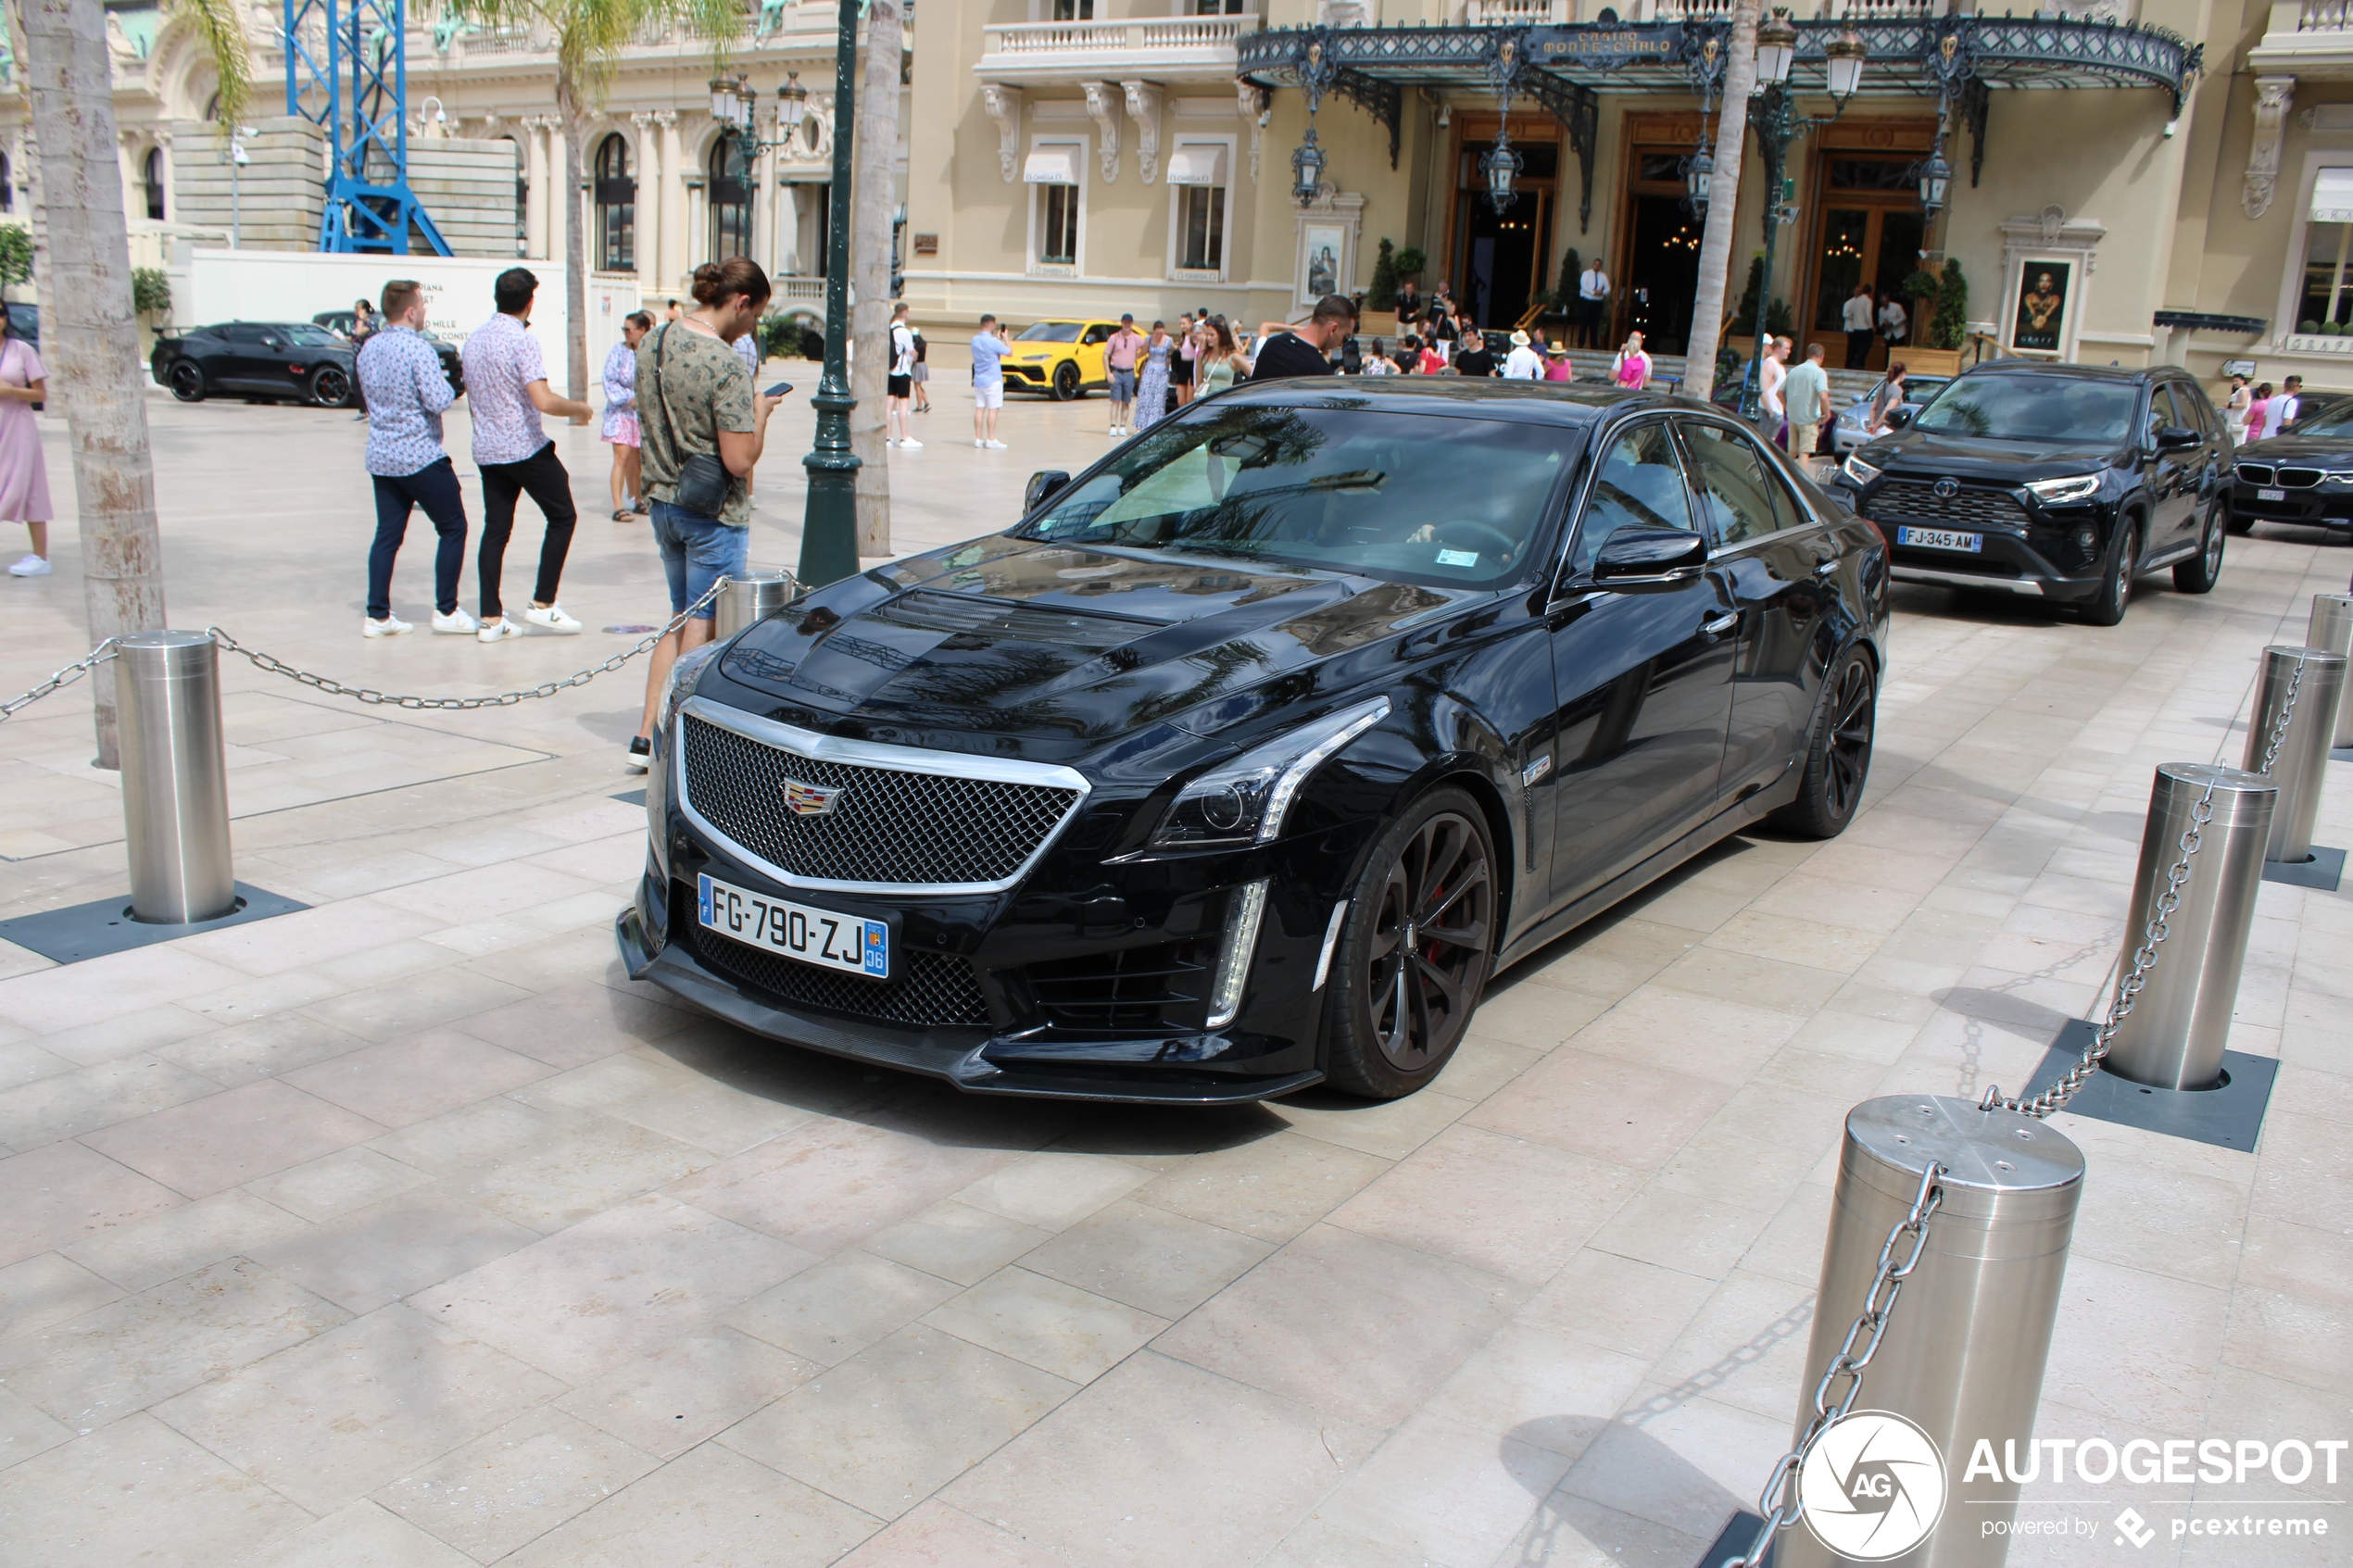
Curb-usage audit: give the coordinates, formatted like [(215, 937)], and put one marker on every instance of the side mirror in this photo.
[(2173, 438), (1634, 557), (1898, 417), (1044, 485)]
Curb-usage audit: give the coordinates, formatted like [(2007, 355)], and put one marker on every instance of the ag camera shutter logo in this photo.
[(1873, 1487)]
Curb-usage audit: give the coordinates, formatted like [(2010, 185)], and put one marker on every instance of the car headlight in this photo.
[(682, 681), (2338, 477), (2055, 492), (1859, 470), (1243, 800)]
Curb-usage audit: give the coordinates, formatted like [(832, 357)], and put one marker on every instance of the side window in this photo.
[(241, 333), (2160, 415), (1640, 485), (1094, 335), (1736, 495)]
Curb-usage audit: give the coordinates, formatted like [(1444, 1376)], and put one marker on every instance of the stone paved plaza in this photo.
[(404, 1230)]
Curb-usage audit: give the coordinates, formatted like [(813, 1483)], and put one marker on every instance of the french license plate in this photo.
[(2271, 495), (824, 937), (1940, 539)]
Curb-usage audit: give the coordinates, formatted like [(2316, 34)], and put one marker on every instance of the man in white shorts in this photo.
[(989, 347)]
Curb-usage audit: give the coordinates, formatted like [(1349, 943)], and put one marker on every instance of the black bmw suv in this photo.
[(2303, 476), (1250, 753), (2065, 482)]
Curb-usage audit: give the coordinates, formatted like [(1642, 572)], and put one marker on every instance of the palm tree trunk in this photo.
[(1723, 208), (567, 193), (875, 193), (90, 334)]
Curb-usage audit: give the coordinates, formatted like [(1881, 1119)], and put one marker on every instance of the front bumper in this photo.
[(2319, 505), (2041, 558)]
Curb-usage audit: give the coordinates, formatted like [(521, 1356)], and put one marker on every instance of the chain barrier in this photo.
[(459, 704), (2279, 730), (62, 679), (1778, 1504)]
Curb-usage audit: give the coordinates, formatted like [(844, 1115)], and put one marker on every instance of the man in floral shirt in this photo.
[(407, 391), (506, 381)]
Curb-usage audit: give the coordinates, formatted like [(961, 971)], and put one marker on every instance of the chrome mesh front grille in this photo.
[(930, 991), (888, 827), (1907, 500)]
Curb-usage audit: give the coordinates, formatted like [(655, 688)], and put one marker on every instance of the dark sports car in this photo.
[(1248, 758), (268, 359)]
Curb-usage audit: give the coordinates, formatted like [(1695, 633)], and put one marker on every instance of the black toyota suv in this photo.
[(2065, 482)]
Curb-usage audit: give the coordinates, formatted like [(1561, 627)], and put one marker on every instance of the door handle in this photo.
[(1720, 625), (1827, 569)]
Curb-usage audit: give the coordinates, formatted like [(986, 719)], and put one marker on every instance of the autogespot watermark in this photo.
[(1875, 1486)]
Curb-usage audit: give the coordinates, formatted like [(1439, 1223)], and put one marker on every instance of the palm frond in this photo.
[(220, 38)]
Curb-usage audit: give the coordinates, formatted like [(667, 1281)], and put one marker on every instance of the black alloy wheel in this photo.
[(331, 387), (2201, 572), (2106, 607), (1415, 949), (1065, 381), (1838, 754), (186, 379)]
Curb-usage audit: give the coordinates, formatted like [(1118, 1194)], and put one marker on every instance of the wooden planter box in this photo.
[(1376, 323), (1929, 361)]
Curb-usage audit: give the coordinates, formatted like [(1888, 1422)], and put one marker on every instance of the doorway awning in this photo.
[(1052, 166), (1198, 165), (2333, 196)]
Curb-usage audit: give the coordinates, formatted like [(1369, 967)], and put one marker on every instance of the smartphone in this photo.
[(778, 390)]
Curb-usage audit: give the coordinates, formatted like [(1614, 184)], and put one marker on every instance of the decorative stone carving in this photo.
[(1102, 108), (1002, 104), (1251, 104), (1143, 107), (1344, 13), (2053, 218), (2272, 95)]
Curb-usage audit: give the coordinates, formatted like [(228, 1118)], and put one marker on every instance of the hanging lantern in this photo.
[(1501, 166), (1937, 178), (792, 102), (1776, 48), (1699, 173), (1847, 54), (723, 99), (1307, 170)]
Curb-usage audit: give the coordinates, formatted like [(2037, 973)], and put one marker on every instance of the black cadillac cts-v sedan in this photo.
[(1249, 757)]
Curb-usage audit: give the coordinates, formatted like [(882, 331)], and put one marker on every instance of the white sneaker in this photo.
[(32, 566), (994, 445), (890, 441), (552, 619), (977, 441), (909, 441), (390, 626), (497, 630), (457, 623)]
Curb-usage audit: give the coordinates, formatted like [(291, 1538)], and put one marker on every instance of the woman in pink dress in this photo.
[(24, 478)]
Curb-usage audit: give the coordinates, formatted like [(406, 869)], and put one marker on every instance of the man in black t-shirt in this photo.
[(1304, 350), (1474, 359)]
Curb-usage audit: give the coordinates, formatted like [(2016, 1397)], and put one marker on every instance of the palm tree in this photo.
[(1723, 205), (589, 36), (90, 331), (870, 318)]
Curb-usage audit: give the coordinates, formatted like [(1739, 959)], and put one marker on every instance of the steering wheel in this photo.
[(1503, 544)]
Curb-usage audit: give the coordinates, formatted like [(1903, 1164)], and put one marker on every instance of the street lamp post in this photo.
[(829, 520)]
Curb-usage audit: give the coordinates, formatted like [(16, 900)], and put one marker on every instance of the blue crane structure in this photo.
[(347, 71)]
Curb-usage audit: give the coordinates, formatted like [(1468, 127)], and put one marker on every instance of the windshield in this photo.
[(2052, 410), (1344, 488), (1050, 331), (313, 337), (2336, 419)]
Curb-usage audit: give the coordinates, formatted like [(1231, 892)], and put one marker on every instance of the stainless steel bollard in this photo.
[(175, 784), (2303, 762), (2175, 1036), (2332, 628), (747, 600), (1965, 1346)]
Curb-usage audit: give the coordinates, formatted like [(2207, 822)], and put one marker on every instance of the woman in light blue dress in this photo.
[(1151, 389), (621, 419)]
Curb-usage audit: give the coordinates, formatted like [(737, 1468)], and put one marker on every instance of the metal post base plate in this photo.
[(630, 797), (2230, 1117), (2324, 871), (2341, 754), (1733, 1540), (94, 930)]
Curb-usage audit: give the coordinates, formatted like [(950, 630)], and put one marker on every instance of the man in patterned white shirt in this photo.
[(406, 390), (507, 387)]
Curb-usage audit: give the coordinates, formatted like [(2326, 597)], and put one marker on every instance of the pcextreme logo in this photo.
[(1873, 1487)]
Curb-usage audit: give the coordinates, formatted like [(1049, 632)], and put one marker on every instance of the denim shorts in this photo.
[(1123, 386), (696, 552)]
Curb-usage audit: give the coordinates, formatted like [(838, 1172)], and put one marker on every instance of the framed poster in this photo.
[(2038, 325), (1327, 245)]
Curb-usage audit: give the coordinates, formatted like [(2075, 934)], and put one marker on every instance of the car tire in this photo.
[(2106, 607), (185, 377), (1066, 387), (1385, 1037), (2201, 572), (1838, 752), (330, 387)]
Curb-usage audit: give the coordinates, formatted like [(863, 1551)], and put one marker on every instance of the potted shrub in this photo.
[(1378, 318), (1940, 323)]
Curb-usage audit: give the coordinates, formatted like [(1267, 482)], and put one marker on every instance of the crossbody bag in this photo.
[(704, 482)]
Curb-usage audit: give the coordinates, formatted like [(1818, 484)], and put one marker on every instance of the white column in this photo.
[(673, 206), (763, 209), (787, 218), (648, 171), (563, 202), (534, 212)]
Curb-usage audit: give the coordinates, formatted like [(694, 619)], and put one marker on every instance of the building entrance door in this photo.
[(1660, 269), (1867, 229), (1501, 258)]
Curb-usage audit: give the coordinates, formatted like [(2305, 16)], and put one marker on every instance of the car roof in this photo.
[(2072, 372), (1561, 403)]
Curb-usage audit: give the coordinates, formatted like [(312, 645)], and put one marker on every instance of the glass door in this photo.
[(1868, 231)]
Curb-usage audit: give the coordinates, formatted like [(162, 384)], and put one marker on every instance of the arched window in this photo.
[(730, 204), (616, 193), (8, 186), (522, 198), (151, 169)]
